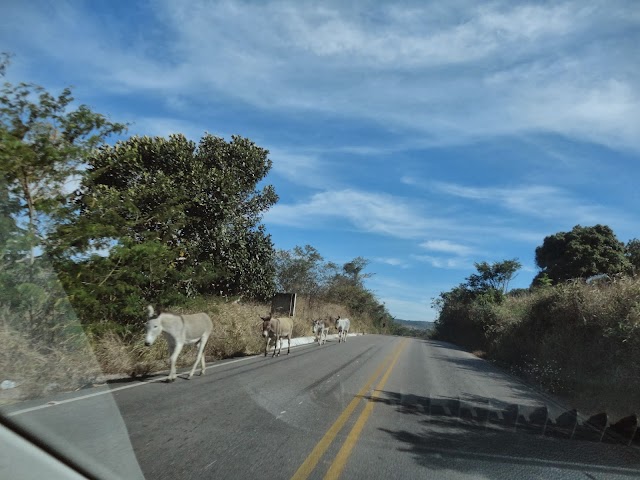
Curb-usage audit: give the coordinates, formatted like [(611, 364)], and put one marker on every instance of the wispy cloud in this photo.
[(392, 216), (542, 201), (449, 76), (409, 180), (450, 263), (301, 168), (395, 262), (447, 246), (370, 212)]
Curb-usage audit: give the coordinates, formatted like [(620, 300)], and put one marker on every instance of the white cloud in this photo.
[(301, 168), (450, 74), (452, 263), (393, 216), (395, 262), (370, 212), (409, 180), (542, 201), (447, 246)]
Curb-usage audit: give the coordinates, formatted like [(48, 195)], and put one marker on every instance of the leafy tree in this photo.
[(42, 144), (581, 253), (300, 270), (494, 276), (198, 203), (466, 312), (353, 270)]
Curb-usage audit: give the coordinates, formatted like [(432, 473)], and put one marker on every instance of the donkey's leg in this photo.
[(266, 346), (174, 356), (202, 359), (289, 345), (199, 356)]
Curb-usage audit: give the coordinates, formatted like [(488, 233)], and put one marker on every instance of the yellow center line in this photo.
[(316, 454), (343, 455)]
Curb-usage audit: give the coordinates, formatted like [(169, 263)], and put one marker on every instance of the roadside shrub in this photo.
[(576, 339)]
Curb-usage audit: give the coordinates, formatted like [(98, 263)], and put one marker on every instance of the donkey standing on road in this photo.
[(321, 329), (342, 324), (180, 330), (278, 329)]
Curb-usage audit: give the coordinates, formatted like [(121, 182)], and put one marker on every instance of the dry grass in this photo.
[(39, 369)]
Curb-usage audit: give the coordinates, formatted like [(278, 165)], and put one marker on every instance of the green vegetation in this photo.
[(178, 221), (575, 338), (303, 270), (581, 253)]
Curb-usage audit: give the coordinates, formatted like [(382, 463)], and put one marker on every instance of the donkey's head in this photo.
[(154, 327), (266, 325), (317, 326)]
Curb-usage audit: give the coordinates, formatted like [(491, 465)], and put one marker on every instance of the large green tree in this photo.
[(581, 253), (184, 217)]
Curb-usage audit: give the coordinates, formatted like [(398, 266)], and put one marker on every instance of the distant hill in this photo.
[(428, 326)]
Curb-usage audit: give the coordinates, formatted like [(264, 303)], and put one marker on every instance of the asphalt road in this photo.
[(375, 407)]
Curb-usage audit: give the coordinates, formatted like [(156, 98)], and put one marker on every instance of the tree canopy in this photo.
[(302, 270), (176, 218), (632, 252), (581, 253), (493, 276)]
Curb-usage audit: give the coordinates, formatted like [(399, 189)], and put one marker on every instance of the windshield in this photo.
[(301, 239)]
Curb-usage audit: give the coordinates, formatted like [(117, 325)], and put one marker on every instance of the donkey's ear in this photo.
[(150, 311), (264, 319)]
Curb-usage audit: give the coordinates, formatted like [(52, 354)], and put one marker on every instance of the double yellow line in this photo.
[(340, 460)]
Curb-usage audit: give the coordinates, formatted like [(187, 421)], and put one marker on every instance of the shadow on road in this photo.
[(488, 430), (488, 453)]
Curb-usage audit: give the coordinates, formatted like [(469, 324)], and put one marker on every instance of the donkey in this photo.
[(321, 329), (278, 329), (342, 324), (180, 330)]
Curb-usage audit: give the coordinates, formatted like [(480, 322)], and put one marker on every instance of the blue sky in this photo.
[(422, 136)]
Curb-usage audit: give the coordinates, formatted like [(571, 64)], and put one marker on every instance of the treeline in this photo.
[(304, 270), (574, 331)]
